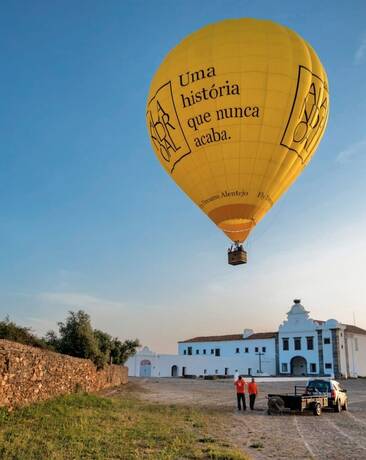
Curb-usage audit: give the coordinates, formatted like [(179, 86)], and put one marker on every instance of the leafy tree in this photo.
[(77, 336), (121, 351), (104, 341), (52, 340)]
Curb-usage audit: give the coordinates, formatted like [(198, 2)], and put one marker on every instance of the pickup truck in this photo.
[(337, 396)]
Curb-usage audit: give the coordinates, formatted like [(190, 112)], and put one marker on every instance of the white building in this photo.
[(301, 346)]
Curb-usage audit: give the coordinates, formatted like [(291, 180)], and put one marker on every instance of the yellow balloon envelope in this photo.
[(235, 113)]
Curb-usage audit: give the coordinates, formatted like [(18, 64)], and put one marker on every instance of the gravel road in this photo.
[(330, 436)]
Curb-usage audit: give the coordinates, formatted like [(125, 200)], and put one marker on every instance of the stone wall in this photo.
[(29, 374)]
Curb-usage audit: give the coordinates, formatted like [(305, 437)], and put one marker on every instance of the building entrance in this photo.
[(298, 366), (145, 368)]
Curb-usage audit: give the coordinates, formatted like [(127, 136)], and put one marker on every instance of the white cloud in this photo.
[(361, 51), (353, 150)]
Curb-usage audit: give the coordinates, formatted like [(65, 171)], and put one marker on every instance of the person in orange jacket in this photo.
[(240, 392), (253, 391)]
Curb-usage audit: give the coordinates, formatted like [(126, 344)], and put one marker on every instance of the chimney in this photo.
[(247, 333)]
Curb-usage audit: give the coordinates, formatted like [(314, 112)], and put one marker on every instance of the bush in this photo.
[(10, 331)]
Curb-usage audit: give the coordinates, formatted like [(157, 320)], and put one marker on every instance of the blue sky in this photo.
[(90, 220)]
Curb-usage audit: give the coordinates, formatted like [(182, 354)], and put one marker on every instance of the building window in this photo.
[(204, 351), (212, 351), (205, 371), (256, 349), (326, 340), (246, 350), (297, 343), (356, 344), (312, 367), (285, 344), (184, 352), (310, 343), (226, 370), (328, 365), (237, 350), (216, 371), (284, 367), (197, 352), (217, 351), (189, 350), (263, 349)]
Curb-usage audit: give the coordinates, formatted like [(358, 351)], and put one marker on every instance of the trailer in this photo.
[(299, 401)]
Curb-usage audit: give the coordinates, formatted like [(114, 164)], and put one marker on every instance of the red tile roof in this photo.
[(263, 335), (231, 337), (215, 338), (354, 329)]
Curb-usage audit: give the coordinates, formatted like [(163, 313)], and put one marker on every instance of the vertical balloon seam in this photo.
[(268, 190), (255, 218)]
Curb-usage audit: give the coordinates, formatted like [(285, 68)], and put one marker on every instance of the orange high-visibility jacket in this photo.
[(252, 388), (240, 386)]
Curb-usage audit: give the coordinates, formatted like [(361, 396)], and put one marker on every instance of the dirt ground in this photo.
[(330, 436)]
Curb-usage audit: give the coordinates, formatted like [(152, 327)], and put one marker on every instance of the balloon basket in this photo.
[(237, 256)]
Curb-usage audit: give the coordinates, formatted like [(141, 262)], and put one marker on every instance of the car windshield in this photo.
[(319, 385)]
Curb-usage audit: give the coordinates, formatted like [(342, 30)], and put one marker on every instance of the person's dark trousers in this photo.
[(241, 399), (252, 401)]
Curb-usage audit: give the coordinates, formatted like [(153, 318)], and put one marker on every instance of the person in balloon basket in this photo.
[(240, 392), (252, 391)]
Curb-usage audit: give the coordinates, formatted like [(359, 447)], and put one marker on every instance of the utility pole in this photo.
[(260, 361)]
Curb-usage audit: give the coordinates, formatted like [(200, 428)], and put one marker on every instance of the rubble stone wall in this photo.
[(29, 374)]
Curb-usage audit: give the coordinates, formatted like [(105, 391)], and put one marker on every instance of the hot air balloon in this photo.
[(235, 113)]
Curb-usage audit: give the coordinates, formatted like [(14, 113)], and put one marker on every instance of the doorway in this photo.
[(298, 366), (145, 368)]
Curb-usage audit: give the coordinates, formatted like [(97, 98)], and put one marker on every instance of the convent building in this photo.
[(302, 346)]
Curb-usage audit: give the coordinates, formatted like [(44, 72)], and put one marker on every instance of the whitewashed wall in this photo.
[(298, 324), (357, 355), (161, 364)]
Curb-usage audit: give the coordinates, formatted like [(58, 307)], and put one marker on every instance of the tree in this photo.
[(121, 351), (104, 341), (52, 340), (77, 337)]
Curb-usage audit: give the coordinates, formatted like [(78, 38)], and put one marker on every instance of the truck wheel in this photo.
[(345, 405), (338, 406), (317, 410)]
